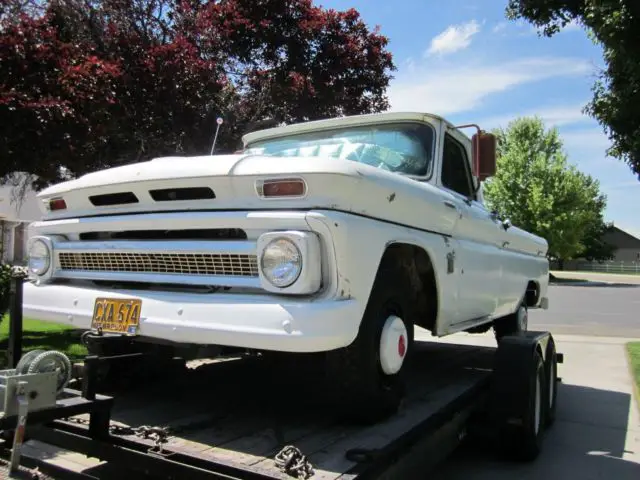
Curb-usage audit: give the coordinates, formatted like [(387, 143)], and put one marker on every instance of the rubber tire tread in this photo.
[(551, 363), (521, 443), (354, 372)]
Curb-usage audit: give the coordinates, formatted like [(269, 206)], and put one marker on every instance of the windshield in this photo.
[(405, 148)]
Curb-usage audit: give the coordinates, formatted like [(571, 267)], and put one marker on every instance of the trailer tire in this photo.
[(367, 380), (523, 441), (551, 370)]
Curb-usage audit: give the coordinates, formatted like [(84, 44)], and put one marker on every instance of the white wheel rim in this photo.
[(394, 343), (523, 319), (538, 403)]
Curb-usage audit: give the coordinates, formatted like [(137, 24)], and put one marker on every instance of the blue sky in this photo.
[(462, 59)]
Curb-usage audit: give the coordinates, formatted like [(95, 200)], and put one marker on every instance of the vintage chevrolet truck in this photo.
[(330, 238)]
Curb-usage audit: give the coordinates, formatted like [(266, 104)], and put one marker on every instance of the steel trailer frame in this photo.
[(427, 443)]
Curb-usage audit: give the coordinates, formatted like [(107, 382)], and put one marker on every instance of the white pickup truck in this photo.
[(333, 237)]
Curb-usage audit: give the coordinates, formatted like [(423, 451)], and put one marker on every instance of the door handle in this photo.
[(450, 204)]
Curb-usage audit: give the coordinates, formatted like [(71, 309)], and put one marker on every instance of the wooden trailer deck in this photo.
[(240, 413)]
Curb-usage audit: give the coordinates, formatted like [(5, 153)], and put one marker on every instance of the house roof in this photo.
[(627, 234)]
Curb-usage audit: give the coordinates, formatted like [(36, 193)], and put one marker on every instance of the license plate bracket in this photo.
[(117, 315)]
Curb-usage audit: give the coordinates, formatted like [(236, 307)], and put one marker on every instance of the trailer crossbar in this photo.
[(99, 410)]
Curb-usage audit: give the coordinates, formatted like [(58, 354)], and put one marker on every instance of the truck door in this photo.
[(479, 262)]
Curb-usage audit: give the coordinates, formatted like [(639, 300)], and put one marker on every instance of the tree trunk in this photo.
[(560, 264)]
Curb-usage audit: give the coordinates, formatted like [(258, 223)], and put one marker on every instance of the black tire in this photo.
[(511, 324), (551, 371), (363, 393), (524, 442)]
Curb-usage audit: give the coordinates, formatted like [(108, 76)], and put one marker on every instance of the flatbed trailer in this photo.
[(240, 418)]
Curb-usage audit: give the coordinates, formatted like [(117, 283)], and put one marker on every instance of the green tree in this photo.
[(539, 191), (613, 24)]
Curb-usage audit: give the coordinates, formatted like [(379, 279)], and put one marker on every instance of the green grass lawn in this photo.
[(634, 357), (45, 336)]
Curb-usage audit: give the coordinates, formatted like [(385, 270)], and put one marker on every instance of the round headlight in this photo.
[(281, 262), (39, 257)]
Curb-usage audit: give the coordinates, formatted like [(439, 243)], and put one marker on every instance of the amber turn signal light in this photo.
[(57, 204), (285, 187)]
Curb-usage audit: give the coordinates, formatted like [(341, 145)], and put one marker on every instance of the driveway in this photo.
[(597, 430), (592, 308)]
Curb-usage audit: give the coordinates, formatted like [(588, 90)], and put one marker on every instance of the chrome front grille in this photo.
[(206, 264)]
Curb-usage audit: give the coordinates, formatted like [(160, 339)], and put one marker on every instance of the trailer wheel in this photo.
[(515, 324), (551, 370), (367, 377), (522, 440)]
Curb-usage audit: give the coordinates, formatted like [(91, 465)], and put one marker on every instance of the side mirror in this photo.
[(484, 154)]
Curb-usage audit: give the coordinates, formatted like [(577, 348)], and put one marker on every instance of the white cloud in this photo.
[(590, 140), (410, 65), (513, 27), (454, 38), (558, 116), (454, 89), (563, 115), (499, 27)]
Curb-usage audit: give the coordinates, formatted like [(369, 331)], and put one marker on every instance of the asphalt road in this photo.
[(592, 308)]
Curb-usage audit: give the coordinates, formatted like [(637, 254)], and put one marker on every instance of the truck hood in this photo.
[(176, 169), (332, 184)]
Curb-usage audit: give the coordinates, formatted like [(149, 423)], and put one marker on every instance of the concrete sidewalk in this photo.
[(597, 431), (596, 277)]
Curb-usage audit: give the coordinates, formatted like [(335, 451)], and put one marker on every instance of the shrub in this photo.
[(5, 284), (6, 272)]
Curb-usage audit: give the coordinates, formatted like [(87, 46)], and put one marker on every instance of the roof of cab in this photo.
[(339, 122)]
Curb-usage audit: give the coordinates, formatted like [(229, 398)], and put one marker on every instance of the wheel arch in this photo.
[(417, 263), (532, 293)]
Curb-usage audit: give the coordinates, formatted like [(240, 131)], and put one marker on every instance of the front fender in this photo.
[(359, 244)]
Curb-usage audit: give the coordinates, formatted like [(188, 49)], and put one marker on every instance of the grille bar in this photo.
[(231, 263), (209, 264)]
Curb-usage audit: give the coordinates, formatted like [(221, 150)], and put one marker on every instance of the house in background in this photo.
[(627, 246), (626, 257), (15, 218)]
